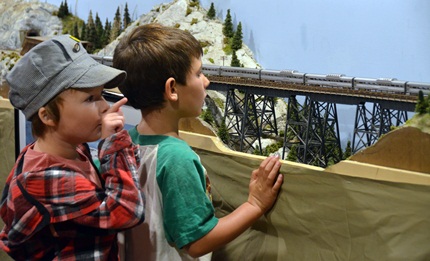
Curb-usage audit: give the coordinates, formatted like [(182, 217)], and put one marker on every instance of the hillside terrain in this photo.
[(404, 148)]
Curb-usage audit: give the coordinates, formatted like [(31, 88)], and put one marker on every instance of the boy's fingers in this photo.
[(117, 105)]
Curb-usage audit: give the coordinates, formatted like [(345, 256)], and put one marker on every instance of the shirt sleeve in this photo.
[(188, 213), (72, 197)]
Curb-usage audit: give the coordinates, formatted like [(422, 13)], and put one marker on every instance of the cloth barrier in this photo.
[(320, 215)]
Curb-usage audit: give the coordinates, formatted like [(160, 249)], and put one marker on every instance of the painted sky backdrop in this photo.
[(385, 38)]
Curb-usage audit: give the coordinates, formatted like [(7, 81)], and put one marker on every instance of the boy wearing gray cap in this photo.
[(56, 204)]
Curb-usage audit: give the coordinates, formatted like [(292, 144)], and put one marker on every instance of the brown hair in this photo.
[(150, 55), (38, 128)]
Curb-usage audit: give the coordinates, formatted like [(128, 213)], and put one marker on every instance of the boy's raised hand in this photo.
[(265, 184), (113, 119)]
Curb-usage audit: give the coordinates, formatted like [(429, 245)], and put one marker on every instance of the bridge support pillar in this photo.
[(312, 133), (242, 122), (370, 125), (266, 113)]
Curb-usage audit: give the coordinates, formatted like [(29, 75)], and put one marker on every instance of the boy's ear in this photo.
[(170, 89), (45, 117)]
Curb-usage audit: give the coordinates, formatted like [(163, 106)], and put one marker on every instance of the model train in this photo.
[(389, 85)]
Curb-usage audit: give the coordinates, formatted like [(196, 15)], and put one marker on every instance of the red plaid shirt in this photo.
[(51, 209)]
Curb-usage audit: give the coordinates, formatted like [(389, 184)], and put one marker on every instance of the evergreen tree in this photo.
[(66, 9), (228, 25), (428, 103), (91, 33), (61, 10), (106, 33), (422, 104), (237, 39), (234, 61), (116, 27), (76, 31), (223, 133), (348, 150), (211, 13), (99, 32), (84, 32), (127, 19)]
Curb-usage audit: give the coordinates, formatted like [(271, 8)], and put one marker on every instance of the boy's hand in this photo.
[(265, 184), (113, 119)]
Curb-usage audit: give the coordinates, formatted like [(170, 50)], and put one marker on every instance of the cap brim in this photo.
[(99, 75)]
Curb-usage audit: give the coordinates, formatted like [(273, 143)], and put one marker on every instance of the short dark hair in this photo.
[(150, 55), (38, 128)]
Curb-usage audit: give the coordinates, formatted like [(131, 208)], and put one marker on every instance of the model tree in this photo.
[(292, 154), (106, 33), (91, 32), (228, 25), (237, 39), (234, 61), (348, 150), (127, 19), (422, 104), (99, 32), (116, 27), (211, 12)]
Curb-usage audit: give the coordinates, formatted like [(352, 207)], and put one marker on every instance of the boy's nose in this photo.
[(206, 81), (104, 105)]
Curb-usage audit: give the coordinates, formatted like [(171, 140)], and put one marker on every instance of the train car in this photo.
[(330, 80), (240, 72), (389, 85), (288, 76), (211, 70), (413, 88), (106, 60)]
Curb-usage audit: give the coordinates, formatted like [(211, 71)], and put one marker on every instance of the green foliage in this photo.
[(219, 103), (227, 29), (223, 133), (126, 18), (116, 27), (189, 11), (106, 33), (98, 43), (194, 21), (194, 3), (63, 11), (234, 61), (272, 148), (207, 116), (348, 150), (204, 44), (91, 33), (211, 12), (237, 39), (177, 25), (211, 60), (422, 105), (227, 46), (292, 155)]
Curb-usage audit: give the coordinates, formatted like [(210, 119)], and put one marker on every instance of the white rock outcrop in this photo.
[(19, 17)]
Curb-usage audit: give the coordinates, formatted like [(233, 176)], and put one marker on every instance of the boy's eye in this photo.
[(90, 98)]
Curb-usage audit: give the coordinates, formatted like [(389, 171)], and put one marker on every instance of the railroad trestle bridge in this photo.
[(312, 127)]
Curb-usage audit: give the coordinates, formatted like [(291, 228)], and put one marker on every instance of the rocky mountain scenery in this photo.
[(19, 18), (184, 14)]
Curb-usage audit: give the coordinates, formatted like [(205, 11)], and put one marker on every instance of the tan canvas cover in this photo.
[(321, 215), (7, 148)]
